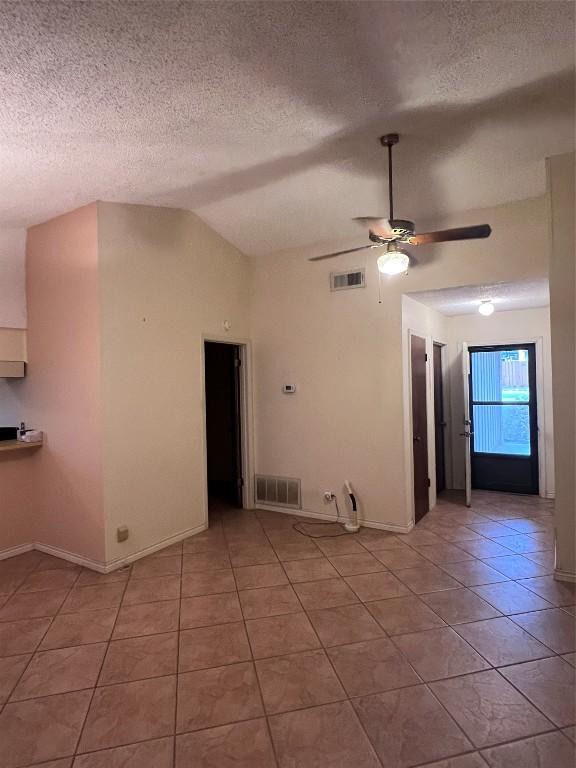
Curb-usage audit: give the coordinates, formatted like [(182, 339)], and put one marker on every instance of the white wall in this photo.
[(561, 206), (518, 326), (166, 279), (344, 352)]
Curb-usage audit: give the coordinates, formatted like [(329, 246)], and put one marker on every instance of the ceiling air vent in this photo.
[(342, 281), (278, 491)]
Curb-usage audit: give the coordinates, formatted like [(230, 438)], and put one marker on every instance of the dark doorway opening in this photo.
[(439, 422), (419, 427), (223, 427), (504, 421)]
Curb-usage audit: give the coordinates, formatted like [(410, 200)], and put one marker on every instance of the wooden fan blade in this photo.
[(445, 235), (380, 227), (341, 253)]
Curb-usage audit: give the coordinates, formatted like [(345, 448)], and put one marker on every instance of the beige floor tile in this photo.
[(404, 614), (48, 562), (471, 760), (340, 545), (313, 569), (71, 629), (147, 754), (247, 556), (17, 637), (377, 586), (130, 712), (169, 551), (60, 671), (329, 735), (33, 605), (296, 681), (426, 578), (372, 666), (473, 573), (208, 583), (206, 561), (54, 721), (269, 601), (375, 541), (522, 542), (92, 598), (252, 576), (325, 594), (400, 558), (206, 610), (516, 566), (489, 709), (151, 590), (11, 668), (352, 565), (457, 606), (11, 580), (297, 550), (147, 619), (439, 653), (138, 658), (217, 696), (554, 627), (550, 684), (501, 641), (344, 624), (213, 646), (557, 593), (509, 597), (484, 548), (570, 658), (443, 553), (551, 750), (241, 745), (420, 538), (88, 578), (409, 726), (279, 635), (150, 567), (46, 580)]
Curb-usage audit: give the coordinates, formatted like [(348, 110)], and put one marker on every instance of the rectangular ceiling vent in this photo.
[(342, 281), (278, 491)]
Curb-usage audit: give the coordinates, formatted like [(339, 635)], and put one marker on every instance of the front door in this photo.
[(419, 427), (504, 439)]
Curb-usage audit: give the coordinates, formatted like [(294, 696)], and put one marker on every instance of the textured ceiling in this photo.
[(464, 300), (264, 117)]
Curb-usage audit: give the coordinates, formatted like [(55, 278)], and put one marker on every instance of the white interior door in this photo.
[(466, 434)]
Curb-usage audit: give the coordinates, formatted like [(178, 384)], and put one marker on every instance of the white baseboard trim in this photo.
[(13, 551), (113, 565), (564, 576), (98, 565), (392, 527), (63, 554)]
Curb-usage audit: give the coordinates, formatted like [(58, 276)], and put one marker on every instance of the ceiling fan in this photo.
[(390, 233)]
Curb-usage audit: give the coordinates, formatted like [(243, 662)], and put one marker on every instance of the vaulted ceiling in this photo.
[(264, 117)]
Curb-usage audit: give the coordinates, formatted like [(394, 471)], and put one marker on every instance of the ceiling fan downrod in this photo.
[(388, 140)]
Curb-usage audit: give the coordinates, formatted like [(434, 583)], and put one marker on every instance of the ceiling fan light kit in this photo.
[(390, 233), (486, 307)]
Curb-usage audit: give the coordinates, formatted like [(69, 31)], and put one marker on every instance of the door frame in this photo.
[(538, 342), (246, 418)]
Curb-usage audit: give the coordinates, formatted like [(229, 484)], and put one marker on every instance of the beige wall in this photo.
[(167, 279), (61, 391), (560, 171), (344, 352)]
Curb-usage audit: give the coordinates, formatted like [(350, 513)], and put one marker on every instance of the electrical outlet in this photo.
[(122, 533), (328, 497)]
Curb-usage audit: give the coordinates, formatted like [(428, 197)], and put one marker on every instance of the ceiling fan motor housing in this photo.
[(400, 227)]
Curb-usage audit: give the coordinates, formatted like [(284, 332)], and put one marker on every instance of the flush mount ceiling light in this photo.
[(394, 262), (486, 307)]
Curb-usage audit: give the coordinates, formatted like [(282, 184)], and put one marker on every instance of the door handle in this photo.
[(417, 438)]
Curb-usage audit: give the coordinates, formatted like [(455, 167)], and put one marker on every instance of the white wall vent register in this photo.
[(342, 281), (278, 491)]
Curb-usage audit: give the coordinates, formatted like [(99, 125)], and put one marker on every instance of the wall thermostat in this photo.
[(288, 389)]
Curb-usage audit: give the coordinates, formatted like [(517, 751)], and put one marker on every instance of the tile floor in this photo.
[(252, 646)]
